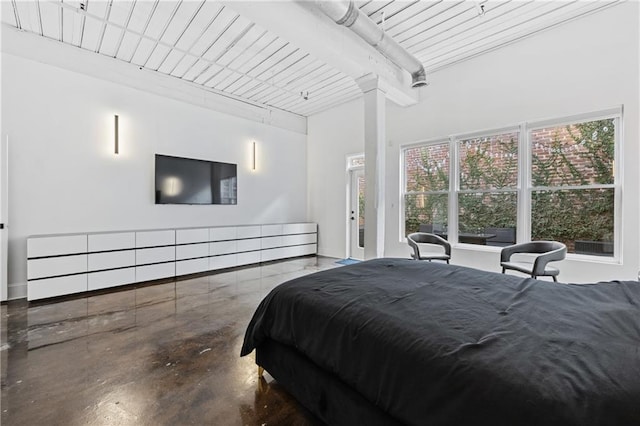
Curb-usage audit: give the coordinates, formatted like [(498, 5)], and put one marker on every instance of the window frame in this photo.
[(403, 179), (524, 188), (616, 115), (455, 141)]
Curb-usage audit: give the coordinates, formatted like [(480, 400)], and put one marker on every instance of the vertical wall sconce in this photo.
[(116, 137), (253, 157)]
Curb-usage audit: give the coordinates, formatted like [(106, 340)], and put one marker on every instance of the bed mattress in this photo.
[(437, 344)]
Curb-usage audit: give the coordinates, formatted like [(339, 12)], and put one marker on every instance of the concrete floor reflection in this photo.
[(164, 354)]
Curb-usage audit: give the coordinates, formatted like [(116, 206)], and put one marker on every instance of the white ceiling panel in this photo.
[(206, 73), (91, 33), (183, 66), (110, 41), (258, 51), (219, 74), (50, 18), (157, 57), (127, 47), (272, 65), (445, 19), (222, 21), (120, 12), (410, 16), (243, 46), (143, 12), (200, 25), (30, 18), (211, 45), (460, 25), (8, 13), (67, 26), (234, 33), (195, 70), (388, 11), (181, 21), (162, 18), (143, 51), (96, 8), (171, 62), (236, 84)]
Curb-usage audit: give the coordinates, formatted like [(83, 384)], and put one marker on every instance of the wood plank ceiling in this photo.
[(208, 44)]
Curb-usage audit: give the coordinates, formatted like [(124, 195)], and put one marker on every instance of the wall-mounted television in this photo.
[(191, 181)]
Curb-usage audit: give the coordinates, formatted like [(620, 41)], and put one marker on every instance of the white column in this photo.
[(374, 169)]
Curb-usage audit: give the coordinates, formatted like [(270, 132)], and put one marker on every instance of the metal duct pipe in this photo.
[(346, 13)]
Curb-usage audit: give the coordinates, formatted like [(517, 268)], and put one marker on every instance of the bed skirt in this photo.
[(326, 396)]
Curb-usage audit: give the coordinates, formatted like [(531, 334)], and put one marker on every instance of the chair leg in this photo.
[(503, 270), (447, 261), (554, 278)]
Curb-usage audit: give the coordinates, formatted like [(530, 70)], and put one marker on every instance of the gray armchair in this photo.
[(425, 238), (547, 251)]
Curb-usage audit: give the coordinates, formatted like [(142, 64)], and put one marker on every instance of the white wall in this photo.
[(332, 136), (586, 65), (64, 176)]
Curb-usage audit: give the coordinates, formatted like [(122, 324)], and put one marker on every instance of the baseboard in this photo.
[(17, 291)]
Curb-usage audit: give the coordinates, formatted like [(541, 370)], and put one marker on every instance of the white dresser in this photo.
[(58, 265)]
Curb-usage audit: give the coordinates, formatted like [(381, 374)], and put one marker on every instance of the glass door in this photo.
[(356, 214)]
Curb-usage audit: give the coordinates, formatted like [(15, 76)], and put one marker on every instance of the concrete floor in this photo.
[(164, 354)]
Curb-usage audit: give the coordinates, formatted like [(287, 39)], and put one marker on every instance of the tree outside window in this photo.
[(426, 187), (571, 185), (572, 178)]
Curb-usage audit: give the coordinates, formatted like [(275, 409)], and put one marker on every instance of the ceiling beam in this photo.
[(313, 32)]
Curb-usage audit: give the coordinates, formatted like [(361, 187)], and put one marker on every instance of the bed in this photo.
[(395, 341)]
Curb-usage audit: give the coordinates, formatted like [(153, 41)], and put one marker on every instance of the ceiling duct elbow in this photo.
[(346, 13)]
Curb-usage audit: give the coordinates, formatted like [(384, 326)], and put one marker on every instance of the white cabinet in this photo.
[(155, 238), (221, 262), (196, 235), (155, 272), (155, 255), (223, 233), (115, 241), (271, 230), (271, 242), (250, 244), (111, 260), (252, 231), (294, 240), (222, 247), (299, 228), (65, 264), (110, 278), (247, 258), (56, 245), (59, 286), (192, 266), (56, 266), (192, 251)]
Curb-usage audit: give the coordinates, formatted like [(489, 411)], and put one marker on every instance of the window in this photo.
[(488, 190), (552, 180), (426, 184), (572, 185)]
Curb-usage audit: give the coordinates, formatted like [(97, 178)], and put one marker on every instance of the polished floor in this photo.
[(165, 354)]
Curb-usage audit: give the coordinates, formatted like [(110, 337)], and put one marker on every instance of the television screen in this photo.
[(190, 181)]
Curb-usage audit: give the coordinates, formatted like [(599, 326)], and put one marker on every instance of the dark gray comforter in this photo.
[(434, 344)]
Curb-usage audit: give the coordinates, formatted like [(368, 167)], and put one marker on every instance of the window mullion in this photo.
[(454, 187), (524, 183)]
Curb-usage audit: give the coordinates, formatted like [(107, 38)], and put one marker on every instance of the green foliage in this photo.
[(488, 168), (562, 215), (581, 214)]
